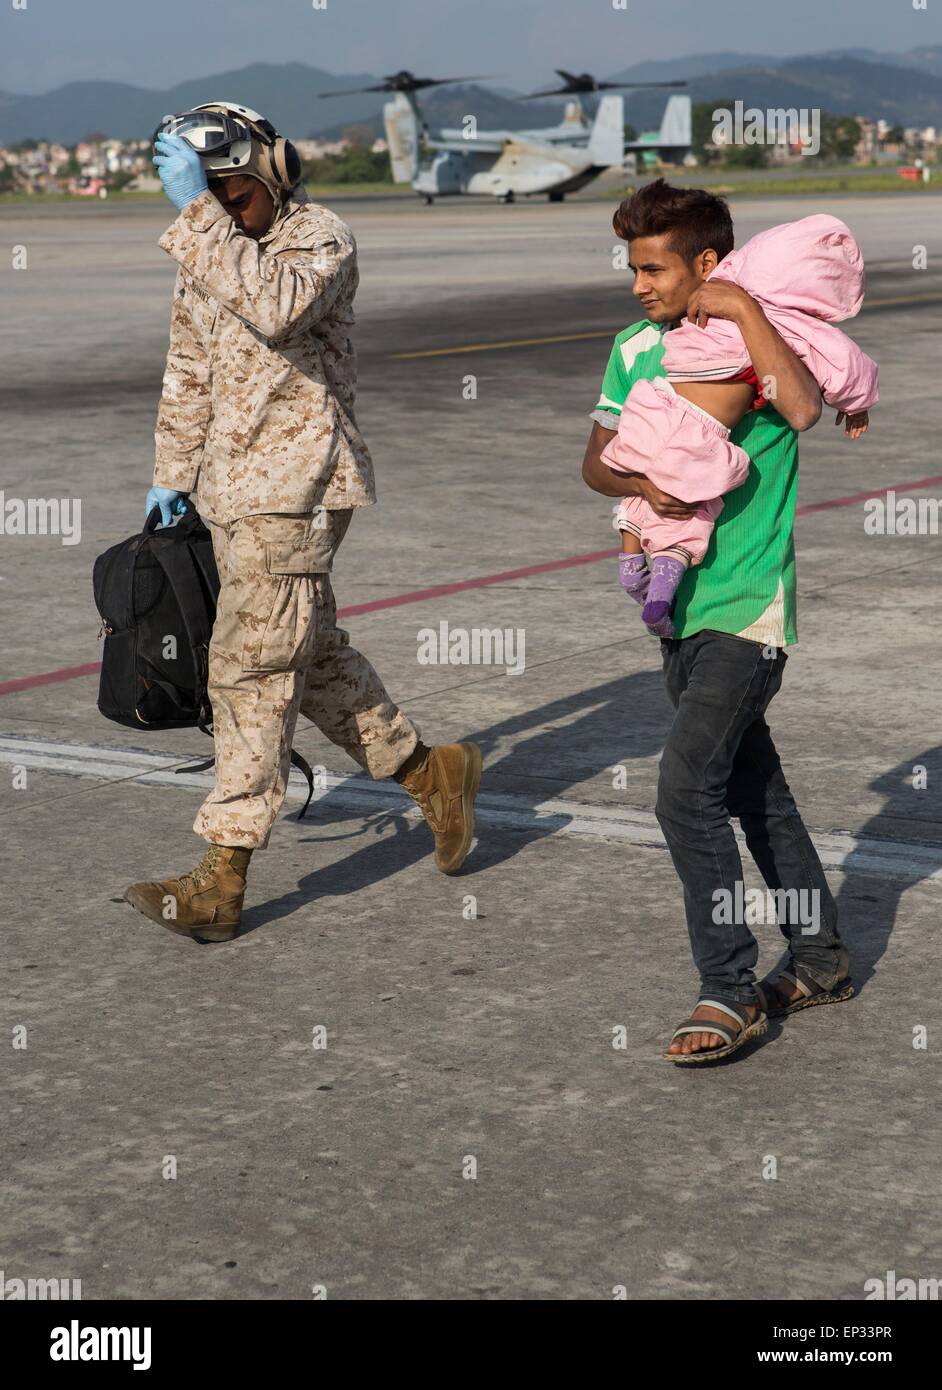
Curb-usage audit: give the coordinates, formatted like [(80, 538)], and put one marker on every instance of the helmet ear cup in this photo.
[(286, 161), (281, 163), (293, 164)]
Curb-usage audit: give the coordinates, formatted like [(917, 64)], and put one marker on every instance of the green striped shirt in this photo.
[(745, 584)]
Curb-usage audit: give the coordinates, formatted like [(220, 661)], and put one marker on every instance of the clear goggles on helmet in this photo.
[(207, 132)]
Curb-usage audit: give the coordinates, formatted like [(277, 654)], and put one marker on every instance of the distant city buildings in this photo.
[(98, 164), (878, 142), (44, 166), (883, 143), (47, 167), (321, 149)]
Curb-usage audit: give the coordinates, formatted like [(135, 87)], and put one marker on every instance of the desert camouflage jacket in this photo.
[(257, 407)]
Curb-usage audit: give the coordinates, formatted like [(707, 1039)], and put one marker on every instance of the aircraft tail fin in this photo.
[(402, 136), (677, 125), (607, 140)]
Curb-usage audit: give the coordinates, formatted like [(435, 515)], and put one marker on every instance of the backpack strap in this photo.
[(303, 766), (203, 557), (176, 561), (170, 691), (297, 761)]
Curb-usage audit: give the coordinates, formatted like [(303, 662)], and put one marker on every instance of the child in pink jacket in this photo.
[(807, 276)]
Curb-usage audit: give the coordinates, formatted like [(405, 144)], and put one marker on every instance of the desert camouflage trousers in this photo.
[(276, 650)]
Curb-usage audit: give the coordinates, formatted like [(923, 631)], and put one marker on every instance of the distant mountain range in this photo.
[(904, 88), (927, 59), (843, 86)]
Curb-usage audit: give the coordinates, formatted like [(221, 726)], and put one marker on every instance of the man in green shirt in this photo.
[(733, 616)]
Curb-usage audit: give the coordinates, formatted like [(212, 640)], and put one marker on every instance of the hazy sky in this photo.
[(154, 43)]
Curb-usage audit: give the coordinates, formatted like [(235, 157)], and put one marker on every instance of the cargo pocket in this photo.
[(289, 595), (313, 556)]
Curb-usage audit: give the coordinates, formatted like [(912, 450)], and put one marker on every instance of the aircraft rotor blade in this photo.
[(577, 87), (444, 81), (355, 91), (404, 82), (620, 85)]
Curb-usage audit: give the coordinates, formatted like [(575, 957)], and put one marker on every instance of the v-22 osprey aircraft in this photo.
[(553, 160)]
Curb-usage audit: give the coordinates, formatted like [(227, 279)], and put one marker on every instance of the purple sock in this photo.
[(663, 628), (666, 574), (634, 576)]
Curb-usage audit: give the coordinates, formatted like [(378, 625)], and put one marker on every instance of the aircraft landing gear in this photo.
[(429, 200), (556, 197), (508, 197)]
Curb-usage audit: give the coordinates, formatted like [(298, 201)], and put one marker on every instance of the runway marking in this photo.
[(67, 673), (852, 497), (896, 301), (839, 850), (439, 590), (590, 557)]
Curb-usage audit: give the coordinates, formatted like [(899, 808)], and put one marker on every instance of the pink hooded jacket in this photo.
[(807, 276)]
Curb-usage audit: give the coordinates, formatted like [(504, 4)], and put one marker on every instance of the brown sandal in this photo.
[(734, 1040), (770, 997)]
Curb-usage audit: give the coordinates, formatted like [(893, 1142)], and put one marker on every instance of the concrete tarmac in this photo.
[(469, 1130)]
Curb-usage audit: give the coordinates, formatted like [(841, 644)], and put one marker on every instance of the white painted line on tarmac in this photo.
[(896, 859)]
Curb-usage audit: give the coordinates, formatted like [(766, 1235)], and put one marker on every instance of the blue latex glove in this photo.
[(181, 170), (171, 503)]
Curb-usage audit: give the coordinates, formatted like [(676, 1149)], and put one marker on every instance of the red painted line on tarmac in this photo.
[(863, 496), (440, 590), (68, 673)]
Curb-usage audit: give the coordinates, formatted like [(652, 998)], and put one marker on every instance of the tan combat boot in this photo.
[(445, 784), (206, 903)]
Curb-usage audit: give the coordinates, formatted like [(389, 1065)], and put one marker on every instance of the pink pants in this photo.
[(683, 451), (661, 535)]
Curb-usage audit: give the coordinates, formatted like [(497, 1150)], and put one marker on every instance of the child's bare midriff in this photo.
[(726, 401)]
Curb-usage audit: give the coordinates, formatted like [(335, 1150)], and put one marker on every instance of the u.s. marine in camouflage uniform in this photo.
[(257, 413)]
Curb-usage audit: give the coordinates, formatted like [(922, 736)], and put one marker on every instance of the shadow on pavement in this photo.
[(624, 718)]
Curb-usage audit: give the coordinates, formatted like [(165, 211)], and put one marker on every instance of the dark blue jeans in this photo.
[(719, 761)]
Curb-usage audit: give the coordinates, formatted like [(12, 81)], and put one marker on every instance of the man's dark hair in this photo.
[(694, 220)]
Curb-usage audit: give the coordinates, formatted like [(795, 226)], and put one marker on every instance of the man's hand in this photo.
[(180, 168), (663, 503), (790, 386), (854, 425), (719, 299)]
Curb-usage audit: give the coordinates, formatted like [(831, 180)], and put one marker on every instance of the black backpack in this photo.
[(156, 595)]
